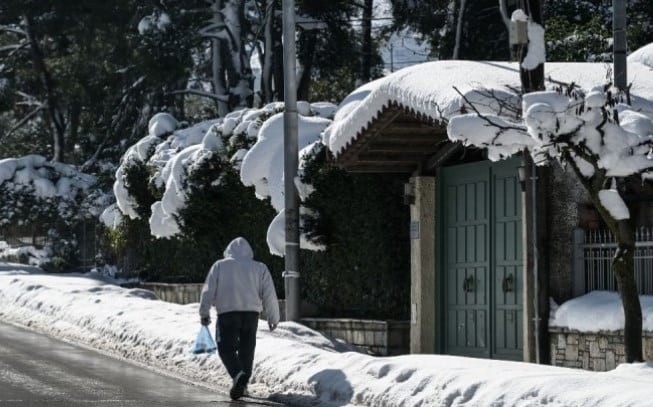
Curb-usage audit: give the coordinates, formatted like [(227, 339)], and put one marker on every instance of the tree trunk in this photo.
[(304, 82), (239, 70), (266, 70), (217, 63), (624, 271), (277, 47), (459, 30), (366, 62), (75, 111), (56, 118), (623, 265)]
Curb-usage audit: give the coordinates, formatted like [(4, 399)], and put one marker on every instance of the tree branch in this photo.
[(479, 114), (24, 120), (12, 30), (221, 98)]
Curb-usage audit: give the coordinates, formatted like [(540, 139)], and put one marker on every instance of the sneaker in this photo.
[(238, 389)]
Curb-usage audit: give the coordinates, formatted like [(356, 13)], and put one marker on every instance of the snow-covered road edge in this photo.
[(160, 340)]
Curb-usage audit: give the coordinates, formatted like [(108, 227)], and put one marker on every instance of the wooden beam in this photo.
[(443, 154), (413, 158), (426, 147), (406, 138), (384, 119), (377, 168)]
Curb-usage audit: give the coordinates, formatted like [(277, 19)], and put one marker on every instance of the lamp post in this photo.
[(291, 273)]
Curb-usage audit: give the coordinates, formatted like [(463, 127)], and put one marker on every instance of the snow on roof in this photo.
[(429, 89)]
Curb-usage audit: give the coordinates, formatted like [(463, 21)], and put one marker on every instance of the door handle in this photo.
[(468, 284), (508, 284)]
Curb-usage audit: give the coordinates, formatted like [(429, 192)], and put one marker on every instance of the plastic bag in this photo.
[(204, 342)]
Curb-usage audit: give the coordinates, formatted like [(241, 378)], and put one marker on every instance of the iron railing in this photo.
[(593, 254)]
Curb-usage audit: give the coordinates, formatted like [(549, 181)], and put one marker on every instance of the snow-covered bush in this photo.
[(180, 189), (48, 200)]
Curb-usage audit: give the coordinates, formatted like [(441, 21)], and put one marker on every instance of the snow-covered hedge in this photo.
[(49, 197), (251, 140)]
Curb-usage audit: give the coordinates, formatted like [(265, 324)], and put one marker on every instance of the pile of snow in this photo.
[(25, 254), (598, 311), (643, 56), (263, 167), (295, 364), (172, 153)]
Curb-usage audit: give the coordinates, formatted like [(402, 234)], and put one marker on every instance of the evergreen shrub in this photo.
[(365, 270)]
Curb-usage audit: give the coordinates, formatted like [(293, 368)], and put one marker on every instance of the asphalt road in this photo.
[(38, 371)]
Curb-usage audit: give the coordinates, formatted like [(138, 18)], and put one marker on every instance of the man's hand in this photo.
[(272, 326), (205, 321)]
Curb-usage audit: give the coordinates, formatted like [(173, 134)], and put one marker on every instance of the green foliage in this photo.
[(48, 221), (483, 35), (364, 271), (220, 208), (582, 31)]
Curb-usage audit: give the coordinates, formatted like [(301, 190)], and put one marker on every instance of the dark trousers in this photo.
[(237, 340)]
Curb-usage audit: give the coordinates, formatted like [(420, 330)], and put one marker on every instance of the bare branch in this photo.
[(13, 47), (479, 114), (504, 14), (221, 98), (24, 120), (13, 30)]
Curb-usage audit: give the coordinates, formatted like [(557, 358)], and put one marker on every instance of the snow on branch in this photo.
[(595, 133), (501, 137)]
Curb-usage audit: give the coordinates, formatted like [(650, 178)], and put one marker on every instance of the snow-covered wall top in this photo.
[(429, 89)]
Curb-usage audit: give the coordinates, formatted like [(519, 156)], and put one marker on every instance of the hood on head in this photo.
[(239, 248)]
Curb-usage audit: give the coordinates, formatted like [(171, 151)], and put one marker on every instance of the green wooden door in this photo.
[(482, 252)]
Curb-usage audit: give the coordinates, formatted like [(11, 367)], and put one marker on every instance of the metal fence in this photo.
[(593, 254), (37, 235)]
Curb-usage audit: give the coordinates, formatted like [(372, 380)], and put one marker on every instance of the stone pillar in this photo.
[(423, 327)]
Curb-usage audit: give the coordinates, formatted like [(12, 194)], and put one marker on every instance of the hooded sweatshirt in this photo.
[(239, 283)]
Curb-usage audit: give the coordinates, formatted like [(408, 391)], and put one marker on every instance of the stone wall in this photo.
[(598, 351), (376, 337), (383, 338), (176, 293)]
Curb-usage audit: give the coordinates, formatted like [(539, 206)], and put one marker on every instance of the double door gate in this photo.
[(482, 260)]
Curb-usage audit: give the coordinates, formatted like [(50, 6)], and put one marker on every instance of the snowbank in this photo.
[(295, 364)]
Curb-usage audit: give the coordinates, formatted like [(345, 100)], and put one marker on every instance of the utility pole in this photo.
[(290, 159), (619, 45), (535, 288)]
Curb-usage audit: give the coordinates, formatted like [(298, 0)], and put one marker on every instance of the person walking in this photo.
[(240, 288)]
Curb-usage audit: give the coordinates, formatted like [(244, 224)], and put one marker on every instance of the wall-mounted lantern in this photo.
[(521, 171)]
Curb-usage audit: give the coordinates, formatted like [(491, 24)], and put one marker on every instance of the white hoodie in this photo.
[(239, 283)]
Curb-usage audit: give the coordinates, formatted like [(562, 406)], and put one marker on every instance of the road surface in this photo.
[(38, 371)]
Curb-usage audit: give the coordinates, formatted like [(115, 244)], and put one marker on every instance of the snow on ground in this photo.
[(295, 364)]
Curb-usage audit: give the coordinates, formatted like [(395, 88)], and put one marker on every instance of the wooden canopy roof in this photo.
[(398, 140)]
